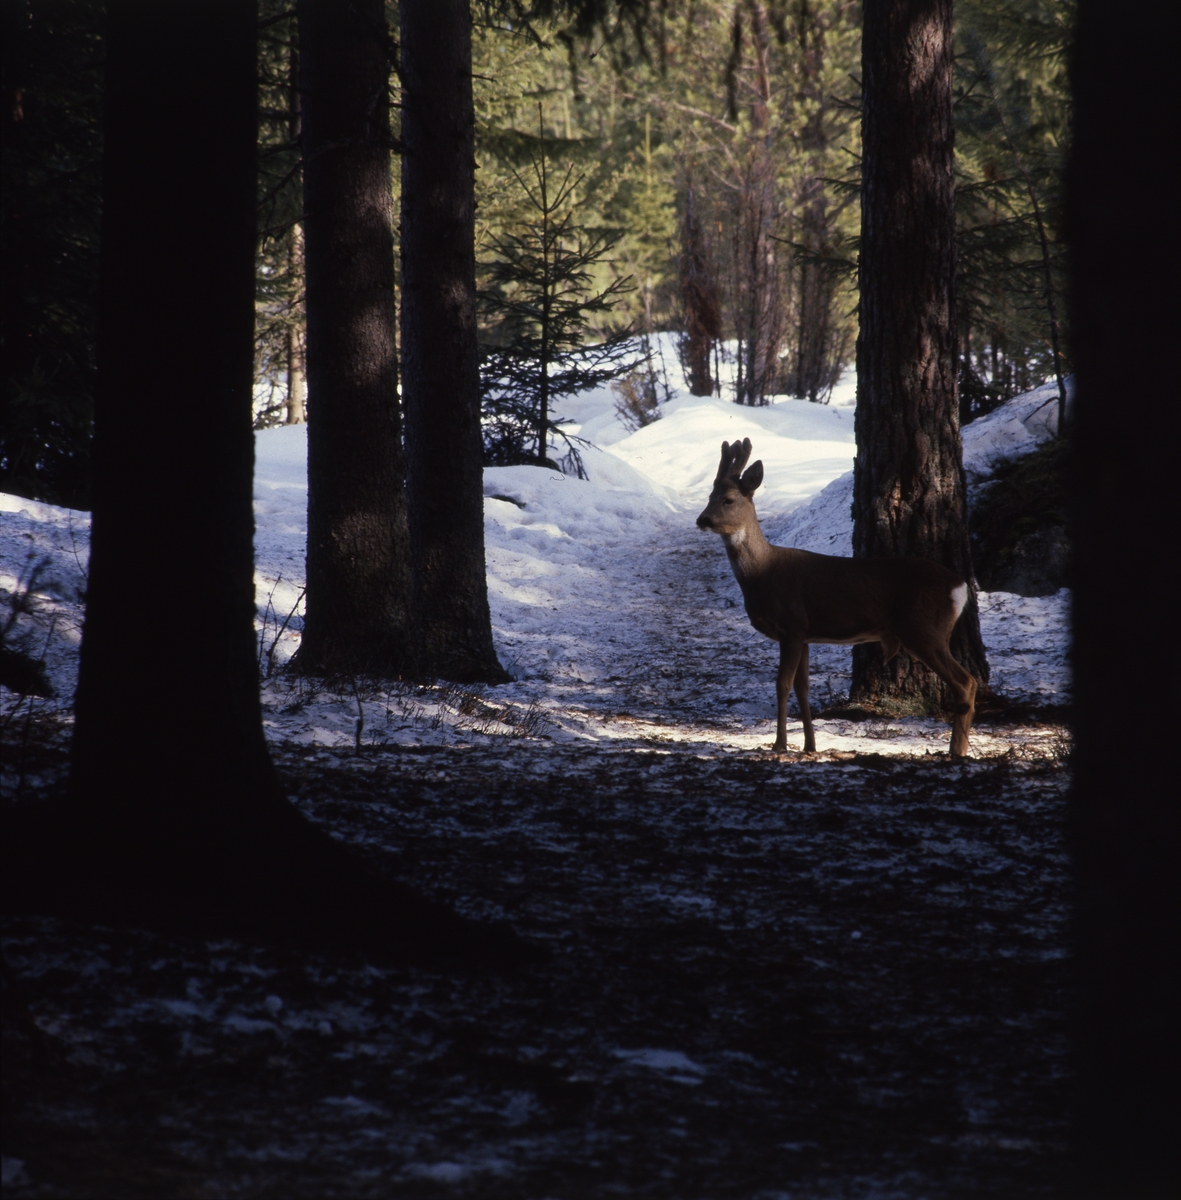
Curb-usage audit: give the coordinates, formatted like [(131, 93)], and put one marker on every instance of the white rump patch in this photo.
[(959, 597), (736, 538)]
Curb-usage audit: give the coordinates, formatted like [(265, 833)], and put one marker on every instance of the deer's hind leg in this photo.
[(939, 658), (801, 686), (789, 662)]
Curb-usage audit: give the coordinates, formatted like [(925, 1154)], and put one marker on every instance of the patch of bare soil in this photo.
[(765, 977)]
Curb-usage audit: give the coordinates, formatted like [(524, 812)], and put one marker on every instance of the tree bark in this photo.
[(440, 368), (1125, 819), (908, 495), (358, 564), (175, 815), (163, 780), (703, 318)]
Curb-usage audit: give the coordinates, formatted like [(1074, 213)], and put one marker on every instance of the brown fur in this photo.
[(796, 598)]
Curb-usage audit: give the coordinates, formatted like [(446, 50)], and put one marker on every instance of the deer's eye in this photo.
[(729, 500)]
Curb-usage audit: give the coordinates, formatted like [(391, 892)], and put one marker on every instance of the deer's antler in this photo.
[(738, 454), (734, 458), (724, 465)]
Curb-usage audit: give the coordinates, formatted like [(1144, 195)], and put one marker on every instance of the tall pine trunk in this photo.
[(440, 378), (908, 492), (169, 768), (758, 304), (1124, 810), (815, 358), (358, 574), (760, 319), (175, 815)]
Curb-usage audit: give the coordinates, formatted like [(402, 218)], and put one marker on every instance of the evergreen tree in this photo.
[(541, 300), (908, 495), (358, 578)]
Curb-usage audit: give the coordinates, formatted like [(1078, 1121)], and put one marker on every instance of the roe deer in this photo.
[(797, 597)]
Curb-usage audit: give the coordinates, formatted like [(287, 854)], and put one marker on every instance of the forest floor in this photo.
[(765, 977), (841, 975)]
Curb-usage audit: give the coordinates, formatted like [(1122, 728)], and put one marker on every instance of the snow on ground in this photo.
[(1013, 429), (617, 617), (764, 979)]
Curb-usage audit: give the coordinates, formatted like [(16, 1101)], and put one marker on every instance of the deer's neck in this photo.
[(748, 551)]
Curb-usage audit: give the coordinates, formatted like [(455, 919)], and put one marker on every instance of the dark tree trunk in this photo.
[(358, 565), (908, 495), (174, 449), (758, 303), (441, 384), (1125, 815), (760, 321), (175, 815), (699, 293), (820, 346), (813, 374)]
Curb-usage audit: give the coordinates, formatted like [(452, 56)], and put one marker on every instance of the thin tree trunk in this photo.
[(297, 387), (358, 574), (440, 369), (1124, 812), (548, 254), (703, 318), (812, 375), (762, 325), (908, 493)]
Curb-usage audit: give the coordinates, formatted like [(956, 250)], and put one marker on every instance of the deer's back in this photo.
[(824, 597)]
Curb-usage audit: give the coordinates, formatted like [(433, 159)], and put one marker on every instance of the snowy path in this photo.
[(618, 618)]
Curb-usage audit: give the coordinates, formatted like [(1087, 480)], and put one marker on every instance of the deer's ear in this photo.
[(752, 477)]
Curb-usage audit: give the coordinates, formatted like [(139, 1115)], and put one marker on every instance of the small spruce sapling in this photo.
[(540, 302)]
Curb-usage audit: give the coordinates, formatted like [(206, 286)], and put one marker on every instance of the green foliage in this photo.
[(49, 232), (1012, 118), (539, 301), (751, 104)]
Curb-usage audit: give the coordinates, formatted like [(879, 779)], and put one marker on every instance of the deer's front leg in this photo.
[(802, 697), (789, 661)]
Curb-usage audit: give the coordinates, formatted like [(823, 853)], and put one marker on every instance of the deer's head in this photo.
[(730, 508)]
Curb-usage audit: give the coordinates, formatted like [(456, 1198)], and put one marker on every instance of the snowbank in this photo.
[(618, 618), (1015, 428)]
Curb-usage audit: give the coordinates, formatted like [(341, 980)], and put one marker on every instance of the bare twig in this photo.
[(360, 727), (262, 633), (282, 630)]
